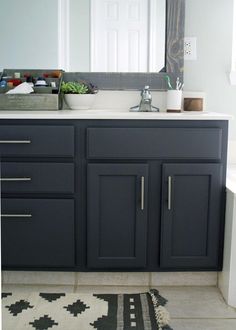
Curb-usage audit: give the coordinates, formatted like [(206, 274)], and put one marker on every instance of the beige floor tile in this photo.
[(200, 324), (184, 279), (37, 288), (35, 278), (111, 289), (114, 278), (196, 302)]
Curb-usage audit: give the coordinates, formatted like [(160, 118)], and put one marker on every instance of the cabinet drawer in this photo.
[(47, 141), (161, 143), (37, 177), (38, 232)]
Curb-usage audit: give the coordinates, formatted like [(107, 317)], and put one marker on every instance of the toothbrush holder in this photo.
[(174, 100)]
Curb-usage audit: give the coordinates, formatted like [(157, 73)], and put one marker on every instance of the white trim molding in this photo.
[(93, 54), (232, 76), (157, 35), (64, 35)]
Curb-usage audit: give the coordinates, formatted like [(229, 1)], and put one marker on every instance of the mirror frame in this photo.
[(175, 24)]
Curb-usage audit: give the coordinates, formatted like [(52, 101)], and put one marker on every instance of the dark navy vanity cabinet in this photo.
[(115, 195)]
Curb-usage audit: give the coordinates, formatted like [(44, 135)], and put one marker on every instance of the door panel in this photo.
[(192, 196), (117, 224), (121, 26)]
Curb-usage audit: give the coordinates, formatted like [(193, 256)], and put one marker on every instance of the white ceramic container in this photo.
[(174, 100), (80, 101)]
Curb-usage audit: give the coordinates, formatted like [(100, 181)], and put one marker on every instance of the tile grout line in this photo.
[(149, 280), (76, 281)]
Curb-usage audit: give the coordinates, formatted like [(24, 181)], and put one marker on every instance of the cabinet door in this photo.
[(37, 233), (117, 215), (191, 216)]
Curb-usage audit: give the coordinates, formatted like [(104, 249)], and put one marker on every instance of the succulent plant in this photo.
[(78, 88)]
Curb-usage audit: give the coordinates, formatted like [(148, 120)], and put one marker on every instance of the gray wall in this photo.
[(28, 34), (80, 35), (211, 21)]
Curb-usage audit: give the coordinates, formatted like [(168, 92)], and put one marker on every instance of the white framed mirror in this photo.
[(56, 34)]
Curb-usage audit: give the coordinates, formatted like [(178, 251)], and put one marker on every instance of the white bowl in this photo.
[(80, 101)]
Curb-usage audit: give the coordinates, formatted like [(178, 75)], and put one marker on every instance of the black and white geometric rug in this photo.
[(79, 311)]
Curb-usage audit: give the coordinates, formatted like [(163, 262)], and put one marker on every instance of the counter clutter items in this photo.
[(23, 88), (32, 89)]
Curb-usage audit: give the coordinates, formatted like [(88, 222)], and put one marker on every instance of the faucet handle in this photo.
[(145, 90)]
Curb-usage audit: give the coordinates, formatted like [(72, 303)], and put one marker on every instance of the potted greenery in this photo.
[(78, 95)]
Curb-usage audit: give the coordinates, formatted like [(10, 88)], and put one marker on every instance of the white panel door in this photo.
[(119, 35)]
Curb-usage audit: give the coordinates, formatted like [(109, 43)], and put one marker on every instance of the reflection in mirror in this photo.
[(127, 35), (84, 35)]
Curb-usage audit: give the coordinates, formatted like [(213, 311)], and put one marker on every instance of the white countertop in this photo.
[(112, 114)]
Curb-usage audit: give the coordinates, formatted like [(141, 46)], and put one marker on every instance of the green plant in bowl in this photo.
[(74, 88), (78, 95)]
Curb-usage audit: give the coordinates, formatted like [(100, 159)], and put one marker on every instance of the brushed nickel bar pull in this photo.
[(15, 179), (16, 215), (142, 192), (169, 192), (15, 141)]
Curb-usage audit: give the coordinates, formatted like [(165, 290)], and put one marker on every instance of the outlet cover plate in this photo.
[(190, 48)]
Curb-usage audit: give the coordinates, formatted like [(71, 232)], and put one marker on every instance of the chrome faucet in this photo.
[(145, 104)]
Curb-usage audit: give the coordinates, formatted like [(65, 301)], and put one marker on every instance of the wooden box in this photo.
[(43, 98)]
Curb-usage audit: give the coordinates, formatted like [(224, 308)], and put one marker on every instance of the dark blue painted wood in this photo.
[(161, 143), (45, 240), (80, 161), (117, 227), (190, 233), (46, 141), (44, 177)]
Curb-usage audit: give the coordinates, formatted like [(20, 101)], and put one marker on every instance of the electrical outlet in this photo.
[(190, 48)]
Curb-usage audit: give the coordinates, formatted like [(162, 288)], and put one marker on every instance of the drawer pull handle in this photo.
[(15, 141), (16, 215), (169, 192), (15, 179), (142, 192)]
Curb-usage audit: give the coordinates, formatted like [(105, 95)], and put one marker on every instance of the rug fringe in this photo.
[(161, 313)]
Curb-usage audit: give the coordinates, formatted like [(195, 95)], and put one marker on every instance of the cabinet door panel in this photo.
[(38, 233), (116, 222), (192, 199)]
